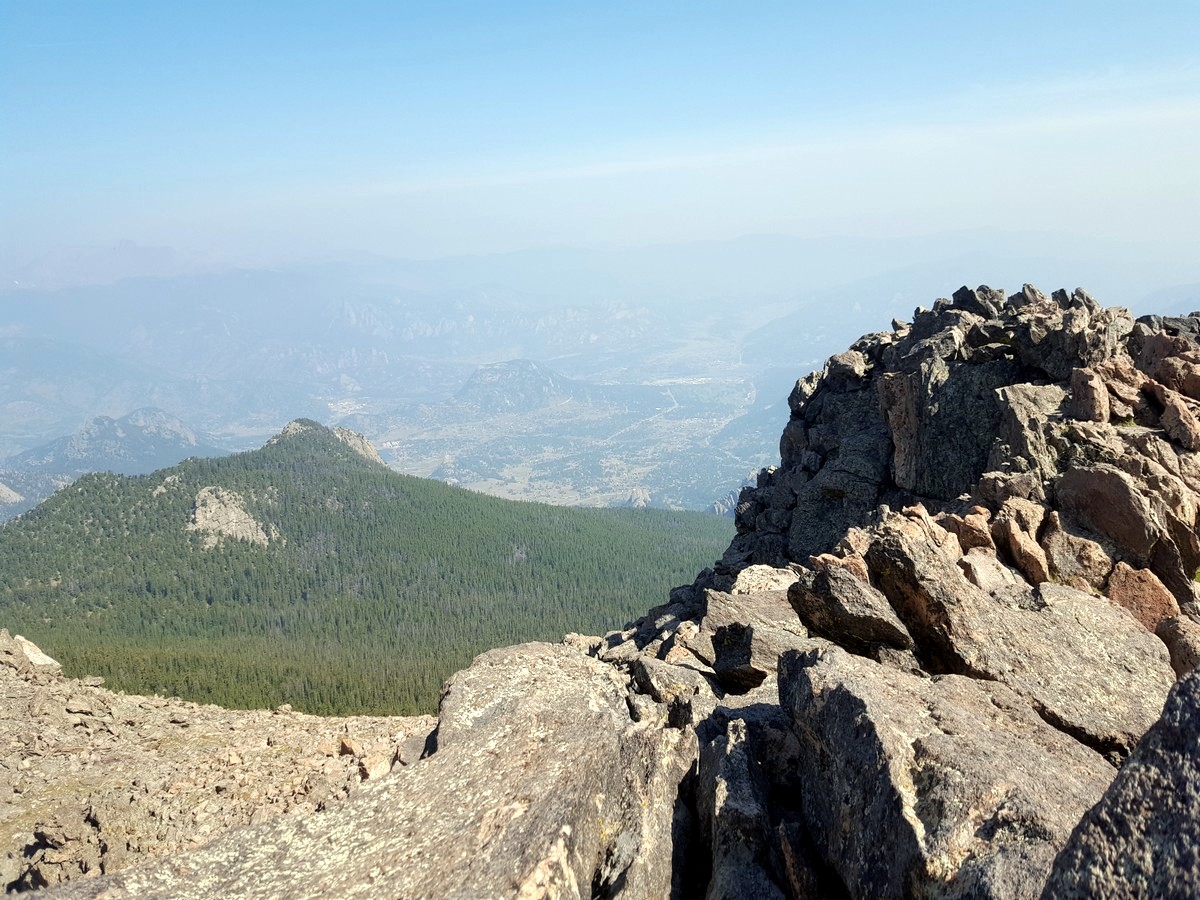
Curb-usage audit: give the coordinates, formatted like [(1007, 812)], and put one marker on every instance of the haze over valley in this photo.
[(607, 378), (575, 255)]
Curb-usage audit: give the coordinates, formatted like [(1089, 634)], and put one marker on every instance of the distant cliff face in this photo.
[(948, 619)]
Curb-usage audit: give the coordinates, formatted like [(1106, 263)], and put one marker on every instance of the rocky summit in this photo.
[(948, 654)]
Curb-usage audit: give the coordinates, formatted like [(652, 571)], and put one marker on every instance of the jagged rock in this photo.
[(1177, 419), (1015, 531), (1140, 592), (849, 458), (1152, 521), (686, 694), (949, 788), (1143, 838), (1156, 347), (1068, 332), (1124, 383), (1085, 664), (1180, 372), (1026, 296), (1089, 396), (983, 302), (757, 579), (972, 530), (941, 422), (22, 655), (736, 818), (1021, 447), (654, 632), (1074, 560), (852, 563), (845, 370), (838, 606), (540, 786), (742, 635), (987, 573), (1182, 637), (1108, 501)]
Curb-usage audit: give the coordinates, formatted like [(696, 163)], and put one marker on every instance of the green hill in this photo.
[(347, 588)]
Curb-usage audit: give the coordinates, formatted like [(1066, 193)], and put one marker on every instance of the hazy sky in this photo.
[(260, 131)]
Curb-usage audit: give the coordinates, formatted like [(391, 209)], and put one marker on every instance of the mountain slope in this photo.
[(307, 573), (144, 440)]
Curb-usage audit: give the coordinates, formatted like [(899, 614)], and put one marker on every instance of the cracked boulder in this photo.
[(1084, 663), (741, 636), (946, 787), (22, 655), (734, 810), (838, 606)]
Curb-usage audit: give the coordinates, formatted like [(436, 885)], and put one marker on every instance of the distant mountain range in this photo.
[(137, 443)]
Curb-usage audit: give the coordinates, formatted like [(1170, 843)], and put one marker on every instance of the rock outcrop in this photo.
[(352, 439), (931, 662), (947, 787), (218, 513), (359, 444)]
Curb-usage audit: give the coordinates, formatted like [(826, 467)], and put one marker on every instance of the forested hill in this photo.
[(308, 573)]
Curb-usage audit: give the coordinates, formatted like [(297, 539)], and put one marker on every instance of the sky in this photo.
[(260, 133)]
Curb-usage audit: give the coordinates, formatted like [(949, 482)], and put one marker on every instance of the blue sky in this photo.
[(261, 132)]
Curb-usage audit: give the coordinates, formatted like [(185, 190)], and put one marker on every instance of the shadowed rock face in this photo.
[(947, 618), (948, 787), (1143, 838)]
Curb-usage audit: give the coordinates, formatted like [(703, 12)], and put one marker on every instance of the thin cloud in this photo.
[(845, 140)]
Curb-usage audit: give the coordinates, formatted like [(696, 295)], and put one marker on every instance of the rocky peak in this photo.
[(295, 429), (517, 385), (359, 444), (981, 402), (299, 428), (933, 661)]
